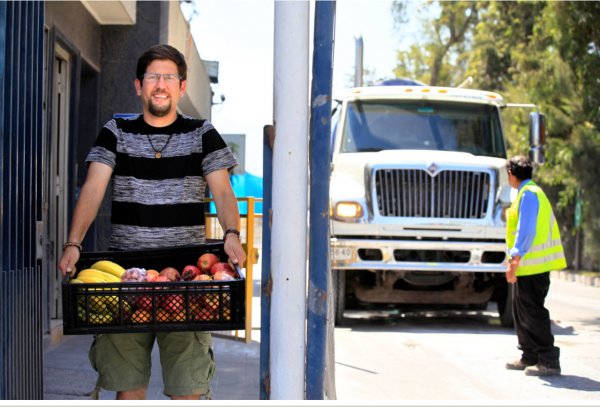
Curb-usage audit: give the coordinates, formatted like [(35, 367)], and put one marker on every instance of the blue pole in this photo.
[(319, 263), (265, 283)]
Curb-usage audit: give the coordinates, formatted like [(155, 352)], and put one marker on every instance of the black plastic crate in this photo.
[(153, 306)]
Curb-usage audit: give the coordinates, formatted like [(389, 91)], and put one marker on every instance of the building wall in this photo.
[(75, 23)]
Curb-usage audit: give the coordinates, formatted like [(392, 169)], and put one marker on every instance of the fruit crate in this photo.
[(128, 307)]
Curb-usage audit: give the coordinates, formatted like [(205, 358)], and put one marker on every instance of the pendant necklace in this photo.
[(158, 153)]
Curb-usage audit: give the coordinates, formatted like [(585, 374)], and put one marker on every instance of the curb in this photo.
[(592, 281)]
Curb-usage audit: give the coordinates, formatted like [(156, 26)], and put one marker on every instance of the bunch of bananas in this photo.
[(100, 308), (103, 271)]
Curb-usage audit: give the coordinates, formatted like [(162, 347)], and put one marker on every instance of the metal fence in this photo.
[(21, 73)]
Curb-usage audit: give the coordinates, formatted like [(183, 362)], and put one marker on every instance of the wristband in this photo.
[(233, 231), (74, 244)]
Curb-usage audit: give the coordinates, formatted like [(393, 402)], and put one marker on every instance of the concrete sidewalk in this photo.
[(68, 374)]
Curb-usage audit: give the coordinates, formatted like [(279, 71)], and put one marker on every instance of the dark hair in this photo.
[(520, 167), (161, 52)]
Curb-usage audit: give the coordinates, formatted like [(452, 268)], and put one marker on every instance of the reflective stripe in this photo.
[(541, 260), (546, 245)]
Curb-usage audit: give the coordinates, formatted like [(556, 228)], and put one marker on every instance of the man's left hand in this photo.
[(235, 251)]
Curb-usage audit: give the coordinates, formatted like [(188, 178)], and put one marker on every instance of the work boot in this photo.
[(541, 370), (518, 364)]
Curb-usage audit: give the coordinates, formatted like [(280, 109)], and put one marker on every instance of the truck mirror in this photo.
[(537, 137)]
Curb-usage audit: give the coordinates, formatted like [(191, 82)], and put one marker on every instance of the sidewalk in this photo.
[(68, 374)]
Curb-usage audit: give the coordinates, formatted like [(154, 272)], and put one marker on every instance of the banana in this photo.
[(110, 267), (97, 274), (75, 281)]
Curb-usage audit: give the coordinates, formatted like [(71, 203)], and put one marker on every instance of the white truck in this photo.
[(418, 192)]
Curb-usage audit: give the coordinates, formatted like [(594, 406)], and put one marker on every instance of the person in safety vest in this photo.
[(534, 249)]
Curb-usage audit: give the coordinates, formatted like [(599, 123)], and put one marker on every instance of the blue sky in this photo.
[(239, 34)]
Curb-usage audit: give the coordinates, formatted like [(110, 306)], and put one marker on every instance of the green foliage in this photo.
[(546, 53)]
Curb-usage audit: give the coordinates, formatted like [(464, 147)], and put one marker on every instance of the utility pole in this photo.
[(290, 191)]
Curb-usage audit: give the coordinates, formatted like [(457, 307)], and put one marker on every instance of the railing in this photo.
[(250, 234)]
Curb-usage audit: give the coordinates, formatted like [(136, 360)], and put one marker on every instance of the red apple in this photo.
[(224, 275), (206, 262), (189, 272), (220, 267)]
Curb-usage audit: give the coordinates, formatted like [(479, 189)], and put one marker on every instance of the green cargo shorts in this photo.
[(123, 361)]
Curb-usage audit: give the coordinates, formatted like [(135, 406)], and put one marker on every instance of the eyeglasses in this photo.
[(170, 78)]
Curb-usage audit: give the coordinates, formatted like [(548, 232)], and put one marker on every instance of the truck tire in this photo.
[(339, 292), (505, 307)]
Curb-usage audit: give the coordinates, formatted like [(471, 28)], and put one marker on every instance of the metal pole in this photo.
[(265, 276), (290, 191), (319, 263)]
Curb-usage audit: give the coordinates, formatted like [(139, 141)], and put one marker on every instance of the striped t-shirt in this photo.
[(159, 202)]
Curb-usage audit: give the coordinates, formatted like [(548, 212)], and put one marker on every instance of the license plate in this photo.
[(342, 254)]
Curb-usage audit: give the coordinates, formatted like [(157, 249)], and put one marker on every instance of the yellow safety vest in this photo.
[(546, 252)]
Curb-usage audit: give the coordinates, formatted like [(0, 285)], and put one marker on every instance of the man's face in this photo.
[(160, 97)]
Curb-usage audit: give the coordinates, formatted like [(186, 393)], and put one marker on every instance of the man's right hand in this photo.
[(68, 260)]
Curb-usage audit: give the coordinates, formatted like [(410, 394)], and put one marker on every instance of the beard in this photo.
[(159, 111)]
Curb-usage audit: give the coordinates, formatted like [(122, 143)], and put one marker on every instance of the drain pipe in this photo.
[(289, 199)]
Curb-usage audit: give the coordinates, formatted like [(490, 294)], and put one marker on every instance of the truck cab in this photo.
[(418, 193)]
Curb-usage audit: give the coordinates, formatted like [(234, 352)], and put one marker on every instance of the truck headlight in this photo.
[(348, 211)]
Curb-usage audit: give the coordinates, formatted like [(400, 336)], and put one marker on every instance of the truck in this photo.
[(418, 195)]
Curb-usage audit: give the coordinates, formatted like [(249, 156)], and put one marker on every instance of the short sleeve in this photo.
[(105, 147), (216, 154)]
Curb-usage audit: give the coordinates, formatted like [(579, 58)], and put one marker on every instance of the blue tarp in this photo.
[(245, 185)]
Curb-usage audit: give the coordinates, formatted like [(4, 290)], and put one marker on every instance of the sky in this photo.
[(239, 35)]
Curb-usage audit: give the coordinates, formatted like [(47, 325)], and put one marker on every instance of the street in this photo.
[(460, 355)]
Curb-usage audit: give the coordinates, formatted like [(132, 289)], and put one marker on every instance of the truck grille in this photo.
[(447, 194)]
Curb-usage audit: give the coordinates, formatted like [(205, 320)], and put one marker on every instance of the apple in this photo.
[(224, 275), (221, 267), (206, 262), (151, 275), (189, 272)]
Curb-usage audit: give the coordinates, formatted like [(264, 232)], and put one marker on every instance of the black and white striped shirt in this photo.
[(159, 202)]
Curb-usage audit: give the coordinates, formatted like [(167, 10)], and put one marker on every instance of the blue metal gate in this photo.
[(21, 75)]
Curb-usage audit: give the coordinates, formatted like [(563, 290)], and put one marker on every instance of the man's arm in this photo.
[(528, 213), (86, 209), (227, 212)]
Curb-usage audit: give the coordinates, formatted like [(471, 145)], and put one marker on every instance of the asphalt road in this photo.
[(460, 355)]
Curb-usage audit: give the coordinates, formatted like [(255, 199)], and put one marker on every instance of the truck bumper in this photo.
[(381, 254)]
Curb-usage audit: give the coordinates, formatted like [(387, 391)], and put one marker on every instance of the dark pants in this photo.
[(532, 320)]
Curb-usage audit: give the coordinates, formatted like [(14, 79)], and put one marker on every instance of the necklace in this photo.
[(158, 153)]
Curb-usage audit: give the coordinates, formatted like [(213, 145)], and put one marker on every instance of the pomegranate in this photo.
[(151, 275), (224, 275), (171, 273), (202, 277), (189, 272)]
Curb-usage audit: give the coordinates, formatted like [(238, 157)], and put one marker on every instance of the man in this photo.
[(535, 249), (160, 163)]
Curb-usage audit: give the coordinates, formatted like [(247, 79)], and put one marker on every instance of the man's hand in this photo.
[(68, 260), (233, 248), (511, 271)]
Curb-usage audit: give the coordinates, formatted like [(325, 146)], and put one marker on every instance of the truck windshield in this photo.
[(423, 125)]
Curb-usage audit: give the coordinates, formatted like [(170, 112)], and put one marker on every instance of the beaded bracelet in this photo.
[(75, 244)]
